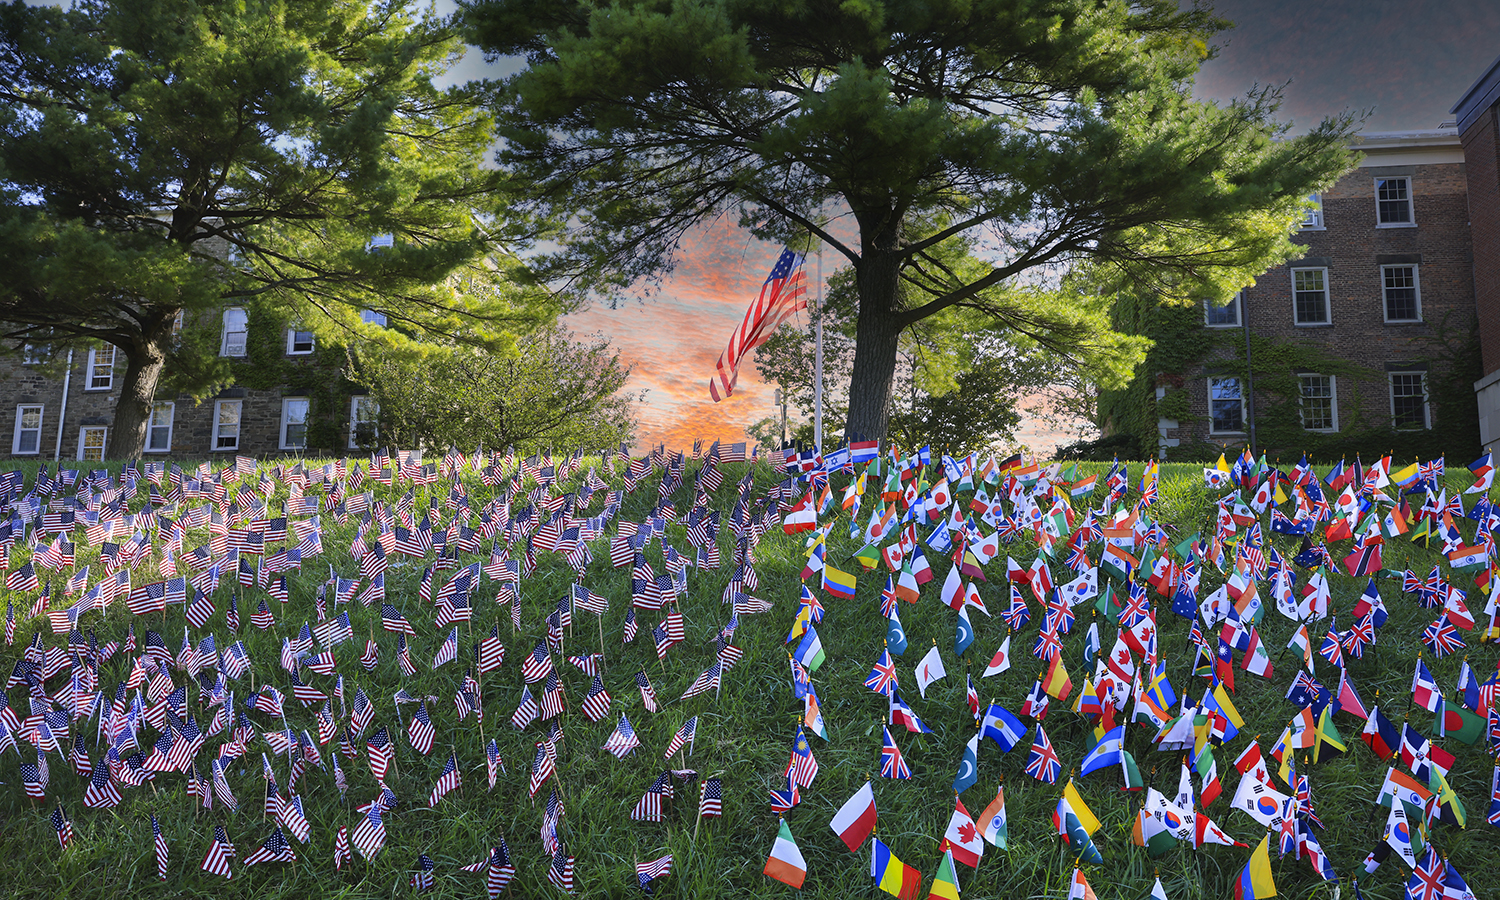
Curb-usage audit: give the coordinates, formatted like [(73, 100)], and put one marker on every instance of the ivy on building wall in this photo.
[(318, 376), (1184, 351)]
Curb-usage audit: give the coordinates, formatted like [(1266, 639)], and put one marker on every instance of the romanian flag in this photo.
[(838, 583), (1255, 881), (891, 874)]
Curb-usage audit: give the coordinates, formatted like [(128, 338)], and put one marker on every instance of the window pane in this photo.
[(1310, 296), (1228, 314), (294, 423), (1392, 200), (1224, 399), (228, 424), (93, 443), (1408, 400), (159, 429), (1401, 293), (1317, 402)]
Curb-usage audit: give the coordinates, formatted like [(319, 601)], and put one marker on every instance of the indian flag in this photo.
[(1084, 486), (1466, 557)]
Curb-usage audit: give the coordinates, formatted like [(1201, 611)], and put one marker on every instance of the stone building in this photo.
[(289, 398)]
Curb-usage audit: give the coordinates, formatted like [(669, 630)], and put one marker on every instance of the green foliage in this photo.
[(1015, 138), (159, 156), (551, 392)]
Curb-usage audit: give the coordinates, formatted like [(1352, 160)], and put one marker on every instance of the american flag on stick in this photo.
[(783, 294)]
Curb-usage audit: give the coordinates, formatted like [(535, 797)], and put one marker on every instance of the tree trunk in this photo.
[(876, 335), (144, 362)]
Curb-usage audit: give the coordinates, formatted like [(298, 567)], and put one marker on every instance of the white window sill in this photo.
[(1222, 327), (1395, 224), (1405, 322), (1313, 324), (1313, 228)]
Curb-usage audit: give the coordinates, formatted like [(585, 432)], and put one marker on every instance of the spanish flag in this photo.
[(1057, 684)]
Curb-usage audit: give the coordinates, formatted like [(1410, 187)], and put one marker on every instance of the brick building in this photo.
[(1478, 121), (1357, 335), (289, 398)]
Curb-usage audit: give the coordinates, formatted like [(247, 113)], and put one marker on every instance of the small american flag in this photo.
[(421, 733), (369, 834), (500, 870), (542, 767), (449, 651), (648, 808), (379, 748), (421, 879), (648, 693), (160, 843), (64, 826), (648, 872), (711, 800), (560, 873), (684, 735), (447, 781), (341, 852), (493, 762), (623, 740), (596, 704), (491, 653), (220, 852), (527, 711)]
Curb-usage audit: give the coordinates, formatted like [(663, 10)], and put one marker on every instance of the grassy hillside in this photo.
[(744, 733)]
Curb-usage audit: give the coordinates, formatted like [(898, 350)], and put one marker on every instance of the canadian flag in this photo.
[(963, 837)]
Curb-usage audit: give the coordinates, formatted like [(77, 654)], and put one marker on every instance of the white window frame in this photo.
[(83, 434), (152, 424), (1333, 401), (93, 371), (228, 346), (1240, 383), (1416, 282), (292, 342), (1390, 380), (1411, 207), (374, 317), (41, 421), (177, 329), (239, 418), (1234, 303), (1312, 215), (286, 407), (355, 404), (1327, 302)]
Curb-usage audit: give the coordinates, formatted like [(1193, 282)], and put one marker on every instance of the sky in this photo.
[(1398, 64)]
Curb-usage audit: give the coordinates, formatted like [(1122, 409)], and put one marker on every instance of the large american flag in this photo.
[(783, 294)]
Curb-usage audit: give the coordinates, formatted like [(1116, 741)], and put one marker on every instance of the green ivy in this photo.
[(318, 376), (1184, 350)]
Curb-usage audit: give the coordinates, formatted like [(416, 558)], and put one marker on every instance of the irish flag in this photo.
[(786, 864)]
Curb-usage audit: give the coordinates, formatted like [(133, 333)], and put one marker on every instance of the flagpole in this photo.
[(818, 361)]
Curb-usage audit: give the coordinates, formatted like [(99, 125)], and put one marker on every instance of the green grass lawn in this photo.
[(744, 736)]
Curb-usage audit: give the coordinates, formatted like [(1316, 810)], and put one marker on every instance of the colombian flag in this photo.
[(838, 583), (1255, 879)]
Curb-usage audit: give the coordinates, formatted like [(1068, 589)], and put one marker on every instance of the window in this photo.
[(1312, 214), (1403, 295), (364, 417), (371, 317), (1310, 297), (177, 329), (298, 343), (1393, 202), (91, 440), (1409, 400), (236, 323), (159, 427), (227, 424), (1226, 316), (380, 242), (28, 437), (1320, 405), (1226, 408), (101, 369), (35, 354), (294, 423)]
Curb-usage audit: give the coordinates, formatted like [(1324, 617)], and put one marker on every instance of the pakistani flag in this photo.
[(968, 767), (895, 635), (965, 635)]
